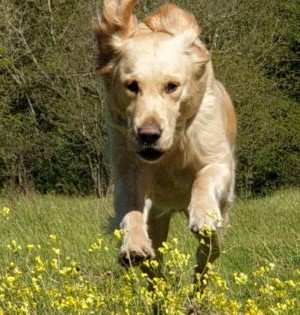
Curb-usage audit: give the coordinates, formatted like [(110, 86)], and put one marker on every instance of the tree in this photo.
[(52, 117), (52, 105)]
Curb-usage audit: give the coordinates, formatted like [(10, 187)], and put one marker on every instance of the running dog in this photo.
[(172, 129)]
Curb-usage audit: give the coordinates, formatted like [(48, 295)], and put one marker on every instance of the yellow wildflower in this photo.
[(65, 270), (5, 212), (118, 234), (240, 278), (54, 263), (40, 266), (56, 250), (35, 284), (291, 283), (97, 245), (53, 238), (267, 290), (30, 247), (10, 280), (14, 246)]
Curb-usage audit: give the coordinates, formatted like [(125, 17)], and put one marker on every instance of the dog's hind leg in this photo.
[(209, 249), (158, 228)]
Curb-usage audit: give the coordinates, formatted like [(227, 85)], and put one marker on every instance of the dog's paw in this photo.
[(204, 222), (133, 254)]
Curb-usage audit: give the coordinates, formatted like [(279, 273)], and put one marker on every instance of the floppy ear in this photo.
[(183, 26), (115, 25), (173, 20), (193, 47)]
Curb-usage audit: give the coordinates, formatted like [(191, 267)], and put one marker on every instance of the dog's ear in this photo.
[(115, 25), (173, 20), (183, 26), (194, 48)]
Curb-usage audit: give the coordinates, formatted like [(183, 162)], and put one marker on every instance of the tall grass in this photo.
[(58, 255)]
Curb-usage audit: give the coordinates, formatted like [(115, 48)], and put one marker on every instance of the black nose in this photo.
[(149, 134)]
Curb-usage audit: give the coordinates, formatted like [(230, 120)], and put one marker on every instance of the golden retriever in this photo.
[(172, 129)]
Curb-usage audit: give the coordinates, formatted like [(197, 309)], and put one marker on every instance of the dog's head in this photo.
[(154, 72)]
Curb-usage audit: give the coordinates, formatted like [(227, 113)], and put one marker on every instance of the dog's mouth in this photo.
[(150, 154)]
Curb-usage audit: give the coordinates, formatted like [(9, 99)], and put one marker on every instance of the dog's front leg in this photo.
[(211, 192), (132, 214)]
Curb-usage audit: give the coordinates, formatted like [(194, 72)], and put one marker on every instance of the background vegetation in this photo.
[(52, 131)]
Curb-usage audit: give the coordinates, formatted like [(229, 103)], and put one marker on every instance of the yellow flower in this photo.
[(118, 234), (175, 241), (147, 296), (97, 245), (291, 283), (240, 278), (40, 266), (154, 264), (30, 247), (252, 308), (14, 246), (53, 238), (5, 212), (35, 284), (267, 290), (11, 265), (165, 248), (282, 308), (65, 270), (54, 263), (17, 271), (10, 280), (260, 272), (271, 266), (56, 250), (220, 282)]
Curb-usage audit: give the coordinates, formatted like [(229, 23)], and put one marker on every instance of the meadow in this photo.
[(58, 255)]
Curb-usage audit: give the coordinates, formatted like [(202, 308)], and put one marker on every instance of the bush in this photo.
[(52, 106)]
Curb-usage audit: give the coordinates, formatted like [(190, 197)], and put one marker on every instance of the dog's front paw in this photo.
[(134, 253), (204, 221)]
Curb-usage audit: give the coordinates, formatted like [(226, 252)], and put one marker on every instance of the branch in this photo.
[(20, 32)]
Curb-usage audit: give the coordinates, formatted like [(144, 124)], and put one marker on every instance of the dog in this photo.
[(172, 129)]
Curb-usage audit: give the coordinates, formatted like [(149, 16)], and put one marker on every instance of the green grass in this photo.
[(77, 222), (264, 230), (261, 231)]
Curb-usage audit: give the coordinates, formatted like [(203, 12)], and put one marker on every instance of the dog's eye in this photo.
[(171, 87), (133, 86)]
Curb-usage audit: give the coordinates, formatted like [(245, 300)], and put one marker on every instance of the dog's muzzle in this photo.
[(148, 138), (151, 154)]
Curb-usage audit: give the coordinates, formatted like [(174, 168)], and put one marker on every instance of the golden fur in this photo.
[(172, 128)]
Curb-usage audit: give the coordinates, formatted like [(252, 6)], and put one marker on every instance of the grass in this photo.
[(59, 256)]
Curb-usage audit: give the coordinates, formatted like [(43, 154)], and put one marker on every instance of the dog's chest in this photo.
[(171, 187)]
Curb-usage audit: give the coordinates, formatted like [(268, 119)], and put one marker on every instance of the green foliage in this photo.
[(52, 119), (255, 47), (52, 131)]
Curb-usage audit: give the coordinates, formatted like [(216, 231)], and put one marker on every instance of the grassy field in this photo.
[(58, 255)]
